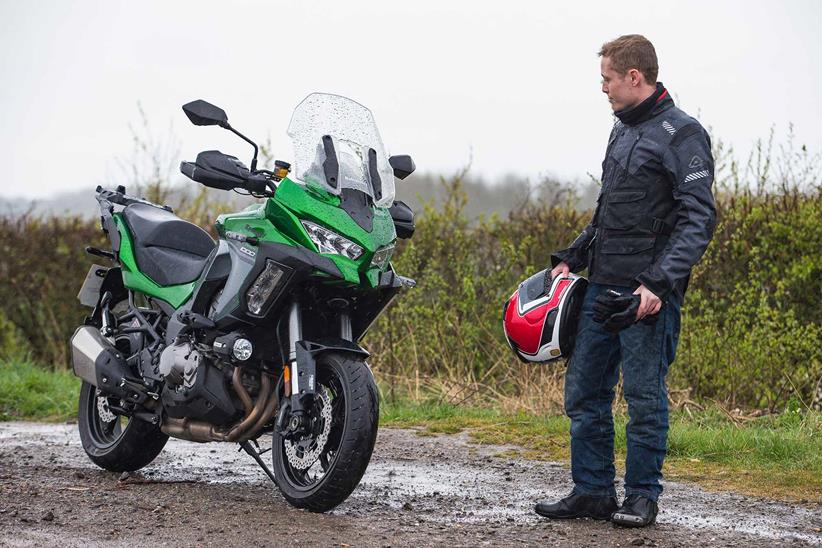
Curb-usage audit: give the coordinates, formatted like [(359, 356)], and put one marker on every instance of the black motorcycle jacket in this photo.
[(655, 214)]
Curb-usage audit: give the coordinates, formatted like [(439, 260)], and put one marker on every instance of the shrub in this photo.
[(752, 320)]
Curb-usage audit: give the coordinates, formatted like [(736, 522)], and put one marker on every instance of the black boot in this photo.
[(578, 506), (636, 511)]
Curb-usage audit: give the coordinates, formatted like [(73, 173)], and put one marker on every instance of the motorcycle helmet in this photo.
[(540, 318)]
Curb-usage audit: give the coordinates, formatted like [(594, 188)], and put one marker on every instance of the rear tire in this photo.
[(349, 386), (123, 444)]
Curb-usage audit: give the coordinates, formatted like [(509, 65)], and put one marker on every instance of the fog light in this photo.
[(242, 349), (264, 286)]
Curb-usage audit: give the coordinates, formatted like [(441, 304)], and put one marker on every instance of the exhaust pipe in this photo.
[(96, 361), (255, 417)]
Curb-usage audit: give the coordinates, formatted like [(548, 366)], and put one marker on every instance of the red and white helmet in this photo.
[(540, 322)]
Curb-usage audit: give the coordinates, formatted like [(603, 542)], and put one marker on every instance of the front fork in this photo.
[(295, 335), (300, 373)]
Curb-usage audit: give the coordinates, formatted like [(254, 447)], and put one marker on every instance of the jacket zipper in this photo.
[(593, 255)]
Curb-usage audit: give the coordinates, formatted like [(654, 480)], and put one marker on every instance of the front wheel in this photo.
[(320, 470)]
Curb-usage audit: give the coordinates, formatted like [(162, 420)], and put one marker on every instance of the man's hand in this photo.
[(649, 303), (561, 269)]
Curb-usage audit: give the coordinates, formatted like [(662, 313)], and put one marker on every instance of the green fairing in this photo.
[(175, 295), (278, 220)]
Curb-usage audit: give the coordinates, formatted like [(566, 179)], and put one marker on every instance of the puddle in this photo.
[(772, 520), (468, 494)]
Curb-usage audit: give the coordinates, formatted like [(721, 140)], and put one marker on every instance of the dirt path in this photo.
[(418, 491)]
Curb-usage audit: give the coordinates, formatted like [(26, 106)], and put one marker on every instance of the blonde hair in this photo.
[(632, 51)]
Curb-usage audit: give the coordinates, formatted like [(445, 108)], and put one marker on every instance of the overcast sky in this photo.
[(512, 86)]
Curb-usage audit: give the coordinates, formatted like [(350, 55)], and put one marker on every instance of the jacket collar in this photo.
[(660, 100)]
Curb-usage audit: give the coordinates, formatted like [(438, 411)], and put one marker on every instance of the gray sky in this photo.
[(512, 85)]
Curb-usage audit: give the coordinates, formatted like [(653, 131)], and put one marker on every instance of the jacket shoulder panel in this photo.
[(673, 126)]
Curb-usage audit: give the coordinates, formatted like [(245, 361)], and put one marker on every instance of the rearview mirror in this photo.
[(202, 113), (403, 165)]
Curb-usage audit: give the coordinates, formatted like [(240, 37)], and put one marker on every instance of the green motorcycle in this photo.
[(257, 333)]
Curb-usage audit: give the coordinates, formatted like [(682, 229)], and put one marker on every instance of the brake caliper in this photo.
[(302, 453)]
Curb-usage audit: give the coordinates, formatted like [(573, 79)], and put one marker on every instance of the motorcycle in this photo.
[(259, 332)]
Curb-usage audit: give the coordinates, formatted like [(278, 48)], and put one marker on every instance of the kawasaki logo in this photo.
[(248, 252)]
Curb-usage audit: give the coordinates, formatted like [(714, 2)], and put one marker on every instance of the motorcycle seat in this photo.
[(168, 250)]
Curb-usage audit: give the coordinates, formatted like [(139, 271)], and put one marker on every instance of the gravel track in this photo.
[(418, 491)]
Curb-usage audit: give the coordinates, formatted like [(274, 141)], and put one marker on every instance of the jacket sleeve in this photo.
[(575, 255), (690, 164)]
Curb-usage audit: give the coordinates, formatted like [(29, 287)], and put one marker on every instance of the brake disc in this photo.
[(315, 447), (105, 414)]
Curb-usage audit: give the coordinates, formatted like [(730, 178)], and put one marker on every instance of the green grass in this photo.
[(30, 392), (791, 439), (778, 456)]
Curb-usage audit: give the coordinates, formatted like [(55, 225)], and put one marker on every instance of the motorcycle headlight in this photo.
[(264, 286), (382, 256), (328, 241)]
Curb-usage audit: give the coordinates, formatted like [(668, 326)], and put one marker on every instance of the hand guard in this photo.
[(616, 311)]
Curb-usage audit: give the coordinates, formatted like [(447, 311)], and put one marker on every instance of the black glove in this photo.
[(616, 311)]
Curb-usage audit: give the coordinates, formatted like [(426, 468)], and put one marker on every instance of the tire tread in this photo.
[(356, 445)]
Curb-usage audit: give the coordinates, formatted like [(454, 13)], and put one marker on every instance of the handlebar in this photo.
[(259, 183)]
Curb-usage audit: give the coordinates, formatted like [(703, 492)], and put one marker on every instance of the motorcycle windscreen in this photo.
[(353, 134)]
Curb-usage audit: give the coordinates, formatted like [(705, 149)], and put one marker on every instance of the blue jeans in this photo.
[(644, 352)]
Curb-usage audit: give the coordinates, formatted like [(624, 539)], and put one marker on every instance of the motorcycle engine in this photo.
[(178, 365), (195, 387)]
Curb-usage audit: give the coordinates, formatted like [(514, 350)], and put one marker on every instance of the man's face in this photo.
[(619, 88)]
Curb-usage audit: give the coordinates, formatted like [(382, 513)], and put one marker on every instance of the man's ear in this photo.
[(636, 77)]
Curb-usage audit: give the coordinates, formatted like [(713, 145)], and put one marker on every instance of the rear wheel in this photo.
[(112, 441), (320, 470)]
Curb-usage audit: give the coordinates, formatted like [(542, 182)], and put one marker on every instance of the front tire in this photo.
[(346, 391), (114, 442)]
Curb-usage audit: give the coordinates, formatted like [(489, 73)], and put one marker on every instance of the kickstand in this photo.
[(255, 454)]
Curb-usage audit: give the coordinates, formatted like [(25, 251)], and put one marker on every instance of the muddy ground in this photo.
[(418, 491)]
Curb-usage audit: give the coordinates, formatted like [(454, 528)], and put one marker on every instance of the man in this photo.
[(654, 218)]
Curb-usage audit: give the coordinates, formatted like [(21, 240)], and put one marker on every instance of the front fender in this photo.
[(304, 370), (331, 344), (302, 380)]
